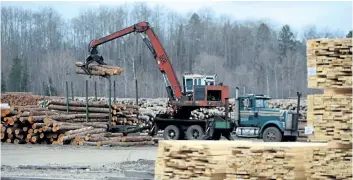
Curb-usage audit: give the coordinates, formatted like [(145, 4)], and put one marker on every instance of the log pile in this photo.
[(37, 125), (99, 70), (331, 117), (329, 63), (21, 99)]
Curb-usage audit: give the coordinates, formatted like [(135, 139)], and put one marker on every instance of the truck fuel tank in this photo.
[(247, 131)]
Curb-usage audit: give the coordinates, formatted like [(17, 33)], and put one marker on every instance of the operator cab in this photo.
[(191, 80)]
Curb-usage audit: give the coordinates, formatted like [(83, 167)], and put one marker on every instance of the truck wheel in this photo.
[(194, 132), (171, 132), (272, 134)]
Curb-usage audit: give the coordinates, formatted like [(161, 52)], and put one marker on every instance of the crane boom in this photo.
[(153, 43)]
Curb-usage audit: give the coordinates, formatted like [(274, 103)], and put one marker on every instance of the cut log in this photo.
[(96, 124), (62, 102), (79, 109), (78, 130), (68, 127), (37, 125), (99, 70), (93, 131), (136, 138), (33, 119), (126, 144)]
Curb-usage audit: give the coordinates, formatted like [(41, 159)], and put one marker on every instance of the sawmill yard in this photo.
[(53, 126)]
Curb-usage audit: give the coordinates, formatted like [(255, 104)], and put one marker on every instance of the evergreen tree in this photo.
[(3, 82), (349, 35), (15, 77), (286, 41), (24, 80)]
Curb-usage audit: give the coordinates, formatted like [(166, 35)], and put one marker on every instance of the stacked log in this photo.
[(21, 98), (37, 125), (205, 113), (98, 70), (329, 63)]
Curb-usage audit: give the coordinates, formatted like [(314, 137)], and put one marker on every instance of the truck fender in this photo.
[(271, 123)]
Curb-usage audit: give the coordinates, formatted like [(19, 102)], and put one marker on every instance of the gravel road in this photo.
[(103, 162)]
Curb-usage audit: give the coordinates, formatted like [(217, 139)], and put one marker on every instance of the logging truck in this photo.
[(198, 91)]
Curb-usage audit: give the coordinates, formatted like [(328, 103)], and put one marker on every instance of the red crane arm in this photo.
[(153, 43)]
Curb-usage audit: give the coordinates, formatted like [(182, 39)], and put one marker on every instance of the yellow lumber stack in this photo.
[(330, 114), (259, 160), (192, 160), (329, 63), (331, 117), (329, 163), (219, 160)]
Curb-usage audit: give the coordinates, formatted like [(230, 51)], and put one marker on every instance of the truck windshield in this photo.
[(261, 103)]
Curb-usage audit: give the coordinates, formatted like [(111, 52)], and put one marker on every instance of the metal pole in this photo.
[(110, 103), (72, 90), (86, 100), (95, 90), (114, 93), (137, 92), (67, 97)]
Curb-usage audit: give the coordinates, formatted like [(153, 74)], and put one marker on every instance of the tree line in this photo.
[(40, 48)]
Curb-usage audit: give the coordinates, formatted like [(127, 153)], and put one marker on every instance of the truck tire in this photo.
[(171, 132), (272, 134), (194, 132)]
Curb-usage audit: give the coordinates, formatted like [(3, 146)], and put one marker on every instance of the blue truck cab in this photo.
[(255, 119)]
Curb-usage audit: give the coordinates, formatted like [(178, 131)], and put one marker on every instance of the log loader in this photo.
[(198, 91)]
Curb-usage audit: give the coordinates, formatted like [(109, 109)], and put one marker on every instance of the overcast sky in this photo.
[(336, 16)]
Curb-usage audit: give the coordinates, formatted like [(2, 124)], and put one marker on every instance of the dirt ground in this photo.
[(103, 162)]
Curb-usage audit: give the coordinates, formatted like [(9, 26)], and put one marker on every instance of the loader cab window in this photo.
[(189, 85)]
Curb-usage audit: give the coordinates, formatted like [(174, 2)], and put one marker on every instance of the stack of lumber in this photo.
[(258, 160), (192, 159), (21, 98), (331, 117), (330, 114), (231, 160), (99, 70), (329, 163), (329, 63)]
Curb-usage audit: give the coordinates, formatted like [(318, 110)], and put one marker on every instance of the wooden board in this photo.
[(329, 63)]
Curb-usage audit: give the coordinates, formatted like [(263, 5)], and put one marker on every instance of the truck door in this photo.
[(246, 112)]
